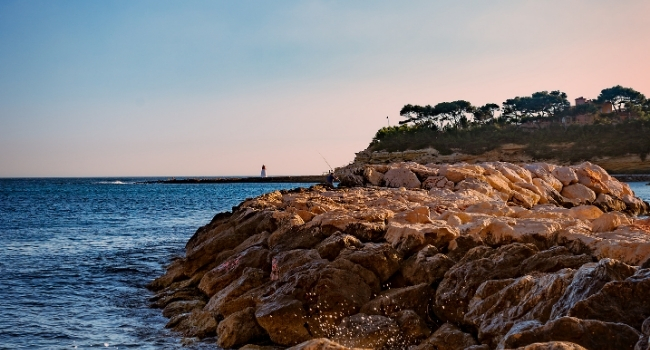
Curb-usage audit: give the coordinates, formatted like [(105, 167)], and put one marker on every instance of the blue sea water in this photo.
[(76, 255)]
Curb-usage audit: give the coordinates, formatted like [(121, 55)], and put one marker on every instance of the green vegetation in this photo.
[(543, 122)]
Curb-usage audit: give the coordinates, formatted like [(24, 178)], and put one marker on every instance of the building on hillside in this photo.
[(581, 101), (607, 107), (585, 119)]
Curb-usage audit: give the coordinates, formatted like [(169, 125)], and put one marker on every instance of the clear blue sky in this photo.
[(181, 88)]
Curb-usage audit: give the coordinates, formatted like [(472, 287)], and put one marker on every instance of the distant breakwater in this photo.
[(631, 177), (252, 179)]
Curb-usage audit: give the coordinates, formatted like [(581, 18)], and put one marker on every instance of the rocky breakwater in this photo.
[(481, 256)]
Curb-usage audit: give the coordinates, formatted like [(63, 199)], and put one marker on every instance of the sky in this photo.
[(218, 88)]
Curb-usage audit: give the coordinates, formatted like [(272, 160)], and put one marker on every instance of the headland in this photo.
[(491, 255)]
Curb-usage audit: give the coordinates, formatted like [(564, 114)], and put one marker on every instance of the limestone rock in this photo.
[(408, 238), (332, 245), (590, 334), (379, 258), (610, 222), (448, 337), (373, 176), (198, 323), (250, 278), (413, 328), (552, 345), (369, 331), (238, 329), (321, 344), (626, 301), (479, 265), (588, 280), (401, 177), (222, 275), (565, 175), (498, 305), (414, 298), (579, 192), (427, 266)]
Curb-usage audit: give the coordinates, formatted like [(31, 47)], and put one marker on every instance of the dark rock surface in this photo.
[(492, 256)]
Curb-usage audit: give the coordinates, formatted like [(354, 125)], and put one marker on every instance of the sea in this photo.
[(76, 254)]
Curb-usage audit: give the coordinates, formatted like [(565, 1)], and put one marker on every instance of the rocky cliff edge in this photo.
[(482, 256)]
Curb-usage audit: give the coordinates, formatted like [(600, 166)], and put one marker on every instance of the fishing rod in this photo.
[(328, 164)]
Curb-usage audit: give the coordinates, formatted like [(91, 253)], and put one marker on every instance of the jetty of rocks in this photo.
[(464, 256)]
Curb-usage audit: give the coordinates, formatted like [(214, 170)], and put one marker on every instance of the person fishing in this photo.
[(330, 179)]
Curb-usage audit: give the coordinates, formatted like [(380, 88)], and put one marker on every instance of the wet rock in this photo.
[(498, 305), (175, 273), (590, 334), (553, 345), (379, 258), (626, 301), (448, 337), (250, 278), (310, 301), (182, 307), (230, 270), (225, 236), (368, 331), (320, 344), (414, 298), (427, 266), (285, 262), (297, 237), (477, 266), (413, 328), (553, 259), (238, 329), (462, 244), (284, 321), (198, 323), (588, 280), (331, 247)]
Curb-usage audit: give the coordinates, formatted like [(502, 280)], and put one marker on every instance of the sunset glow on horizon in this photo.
[(210, 88)]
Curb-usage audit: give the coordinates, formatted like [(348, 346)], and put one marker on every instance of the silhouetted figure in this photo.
[(330, 179)]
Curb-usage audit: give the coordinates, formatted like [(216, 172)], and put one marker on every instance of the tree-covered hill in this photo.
[(614, 124)]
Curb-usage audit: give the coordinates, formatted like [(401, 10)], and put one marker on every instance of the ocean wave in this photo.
[(116, 182)]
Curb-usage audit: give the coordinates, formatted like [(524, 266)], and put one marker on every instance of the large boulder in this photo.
[(367, 331), (387, 303), (591, 334), (238, 329), (401, 177), (588, 280), (448, 337), (230, 270), (626, 301), (477, 266), (379, 258), (427, 266), (579, 192), (499, 304)]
